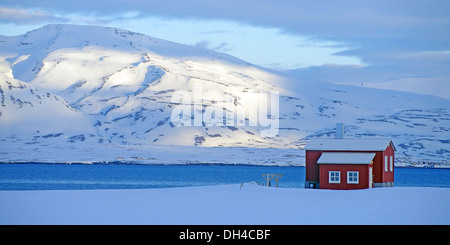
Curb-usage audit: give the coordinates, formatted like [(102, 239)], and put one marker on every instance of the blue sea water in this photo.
[(98, 176)]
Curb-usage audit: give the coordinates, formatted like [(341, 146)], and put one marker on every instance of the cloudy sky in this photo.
[(347, 41)]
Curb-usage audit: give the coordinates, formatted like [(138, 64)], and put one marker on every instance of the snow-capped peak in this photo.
[(125, 85)]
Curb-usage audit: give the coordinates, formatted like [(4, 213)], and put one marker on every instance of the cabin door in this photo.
[(370, 178)]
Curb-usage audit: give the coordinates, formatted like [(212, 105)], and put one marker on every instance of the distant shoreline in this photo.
[(447, 166)]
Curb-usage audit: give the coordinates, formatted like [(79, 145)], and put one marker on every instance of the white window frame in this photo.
[(354, 177), (386, 162), (391, 164), (334, 177)]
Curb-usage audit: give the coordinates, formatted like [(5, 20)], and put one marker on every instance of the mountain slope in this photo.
[(135, 90), (26, 110)]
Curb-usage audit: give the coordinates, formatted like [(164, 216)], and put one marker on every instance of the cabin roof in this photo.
[(345, 158), (349, 144)]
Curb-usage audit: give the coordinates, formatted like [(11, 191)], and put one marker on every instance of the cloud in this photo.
[(401, 38), (202, 44), (365, 22), (222, 47), (343, 19), (33, 16), (23, 16)]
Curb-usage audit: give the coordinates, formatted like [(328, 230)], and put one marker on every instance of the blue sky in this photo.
[(350, 41)]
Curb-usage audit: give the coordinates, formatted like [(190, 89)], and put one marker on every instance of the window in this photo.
[(352, 177), (334, 177), (386, 161), (391, 166)]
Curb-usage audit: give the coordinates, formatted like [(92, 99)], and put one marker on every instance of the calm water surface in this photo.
[(81, 176)]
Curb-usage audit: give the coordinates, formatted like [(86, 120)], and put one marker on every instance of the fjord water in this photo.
[(101, 176)]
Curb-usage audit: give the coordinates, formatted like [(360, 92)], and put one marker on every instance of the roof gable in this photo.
[(349, 144)]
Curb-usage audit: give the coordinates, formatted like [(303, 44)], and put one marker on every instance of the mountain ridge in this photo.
[(124, 84)]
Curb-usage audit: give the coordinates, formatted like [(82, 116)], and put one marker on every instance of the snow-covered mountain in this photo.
[(69, 87)]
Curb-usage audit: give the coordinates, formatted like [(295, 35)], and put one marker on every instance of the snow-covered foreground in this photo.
[(248, 204)]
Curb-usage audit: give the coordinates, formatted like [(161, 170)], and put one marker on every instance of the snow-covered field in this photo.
[(96, 94), (247, 204)]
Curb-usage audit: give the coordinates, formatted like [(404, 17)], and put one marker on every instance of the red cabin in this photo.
[(349, 163)]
